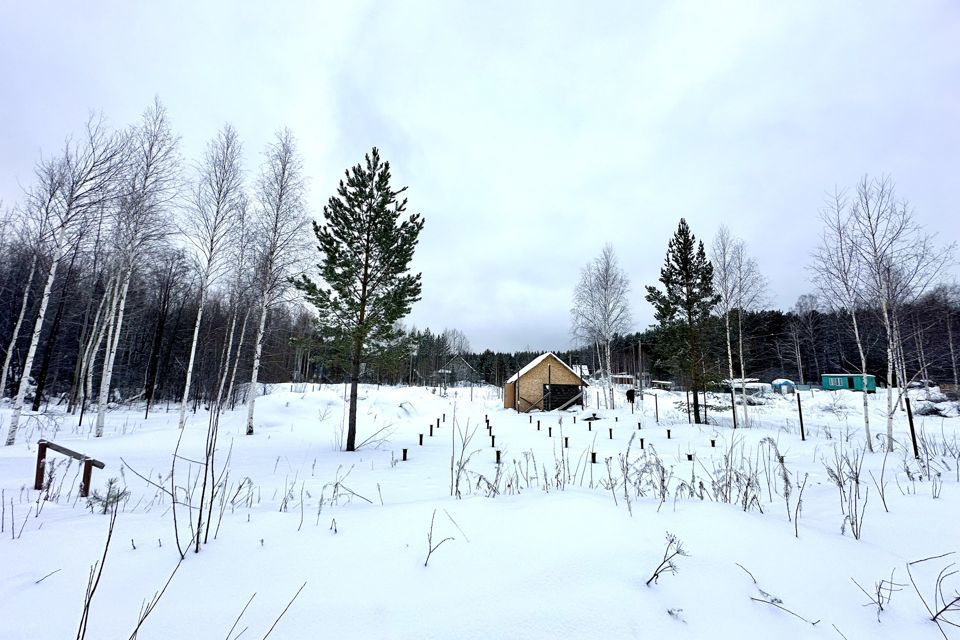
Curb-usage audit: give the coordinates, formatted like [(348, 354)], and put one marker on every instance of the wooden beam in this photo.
[(70, 452)]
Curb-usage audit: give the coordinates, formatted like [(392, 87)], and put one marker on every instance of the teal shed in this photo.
[(854, 381)]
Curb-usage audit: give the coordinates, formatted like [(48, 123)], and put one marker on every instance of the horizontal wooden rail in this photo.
[(88, 464)]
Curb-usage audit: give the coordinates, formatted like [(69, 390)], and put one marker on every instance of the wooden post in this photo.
[(438, 423), (431, 430), (638, 426), (593, 457), (87, 471), (529, 419), (498, 456), (611, 433), (444, 417), (733, 404), (656, 407), (668, 434), (913, 433), (574, 419), (538, 425), (550, 432), (713, 442), (689, 457), (566, 442), (803, 435), (590, 426), (41, 462), (421, 439), (493, 440), (404, 455), (641, 443), (616, 418)]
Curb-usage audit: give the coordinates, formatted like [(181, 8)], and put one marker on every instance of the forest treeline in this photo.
[(131, 274)]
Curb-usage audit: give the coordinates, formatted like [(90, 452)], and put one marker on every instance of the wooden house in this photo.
[(546, 383)]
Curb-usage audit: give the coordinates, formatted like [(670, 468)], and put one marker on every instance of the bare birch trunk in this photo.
[(743, 371), (257, 350), (885, 311), (901, 362), (924, 376), (91, 364), (225, 363), (34, 341), (193, 353), (953, 355), (609, 373), (863, 369), (236, 359), (796, 350), (16, 328), (111, 355), (726, 322)]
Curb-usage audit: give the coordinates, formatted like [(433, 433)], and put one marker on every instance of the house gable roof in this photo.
[(533, 363)]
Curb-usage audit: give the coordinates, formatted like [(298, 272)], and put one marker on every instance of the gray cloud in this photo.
[(530, 133)]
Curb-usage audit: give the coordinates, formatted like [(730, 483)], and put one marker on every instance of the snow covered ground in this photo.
[(547, 545)]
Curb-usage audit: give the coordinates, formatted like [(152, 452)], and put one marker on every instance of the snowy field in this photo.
[(545, 545)]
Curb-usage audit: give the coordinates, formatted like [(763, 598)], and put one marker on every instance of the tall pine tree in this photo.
[(684, 305), (364, 267)]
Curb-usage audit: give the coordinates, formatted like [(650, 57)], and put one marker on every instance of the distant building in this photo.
[(546, 383), (853, 381), (783, 386), (457, 369)]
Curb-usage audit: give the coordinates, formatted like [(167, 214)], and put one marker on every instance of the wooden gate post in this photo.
[(803, 435), (41, 462), (913, 433), (733, 404), (87, 472)]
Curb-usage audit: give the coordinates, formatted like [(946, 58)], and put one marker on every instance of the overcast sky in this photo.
[(529, 133)]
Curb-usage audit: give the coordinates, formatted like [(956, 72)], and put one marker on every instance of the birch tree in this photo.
[(725, 284), (141, 220), (900, 262), (25, 233), (69, 186), (749, 291), (600, 308), (280, 227), (839, 274), (214, 201)]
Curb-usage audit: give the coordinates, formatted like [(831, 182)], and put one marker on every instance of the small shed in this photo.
[(783, 386), (852, 381), (546, 383)]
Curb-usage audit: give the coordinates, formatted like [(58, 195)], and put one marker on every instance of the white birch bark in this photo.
[(116, 323), (193, 352), (257, 351), (16, 327), (34, 341), (236, 358)]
